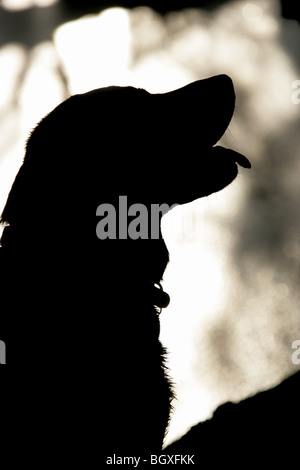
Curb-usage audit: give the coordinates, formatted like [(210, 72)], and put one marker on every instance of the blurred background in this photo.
[(235, 256)]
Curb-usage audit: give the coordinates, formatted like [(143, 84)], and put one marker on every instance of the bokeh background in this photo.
[(235, 256)]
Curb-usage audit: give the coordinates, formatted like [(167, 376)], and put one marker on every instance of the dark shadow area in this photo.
[(259, 431), (290, 9), (160, 6), (34, 25)]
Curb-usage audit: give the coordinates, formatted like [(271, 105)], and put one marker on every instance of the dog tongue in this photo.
[(241, 159), (232, 155)]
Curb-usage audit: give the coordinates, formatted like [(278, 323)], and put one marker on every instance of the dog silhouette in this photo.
[(84, 313)]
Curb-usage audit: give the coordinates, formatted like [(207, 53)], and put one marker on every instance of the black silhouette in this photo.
[(290, 10), (86, 316), (160, 6), (257, 432)]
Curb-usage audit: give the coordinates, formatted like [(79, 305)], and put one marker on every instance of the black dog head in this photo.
[(112, 142), (118, 141)]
